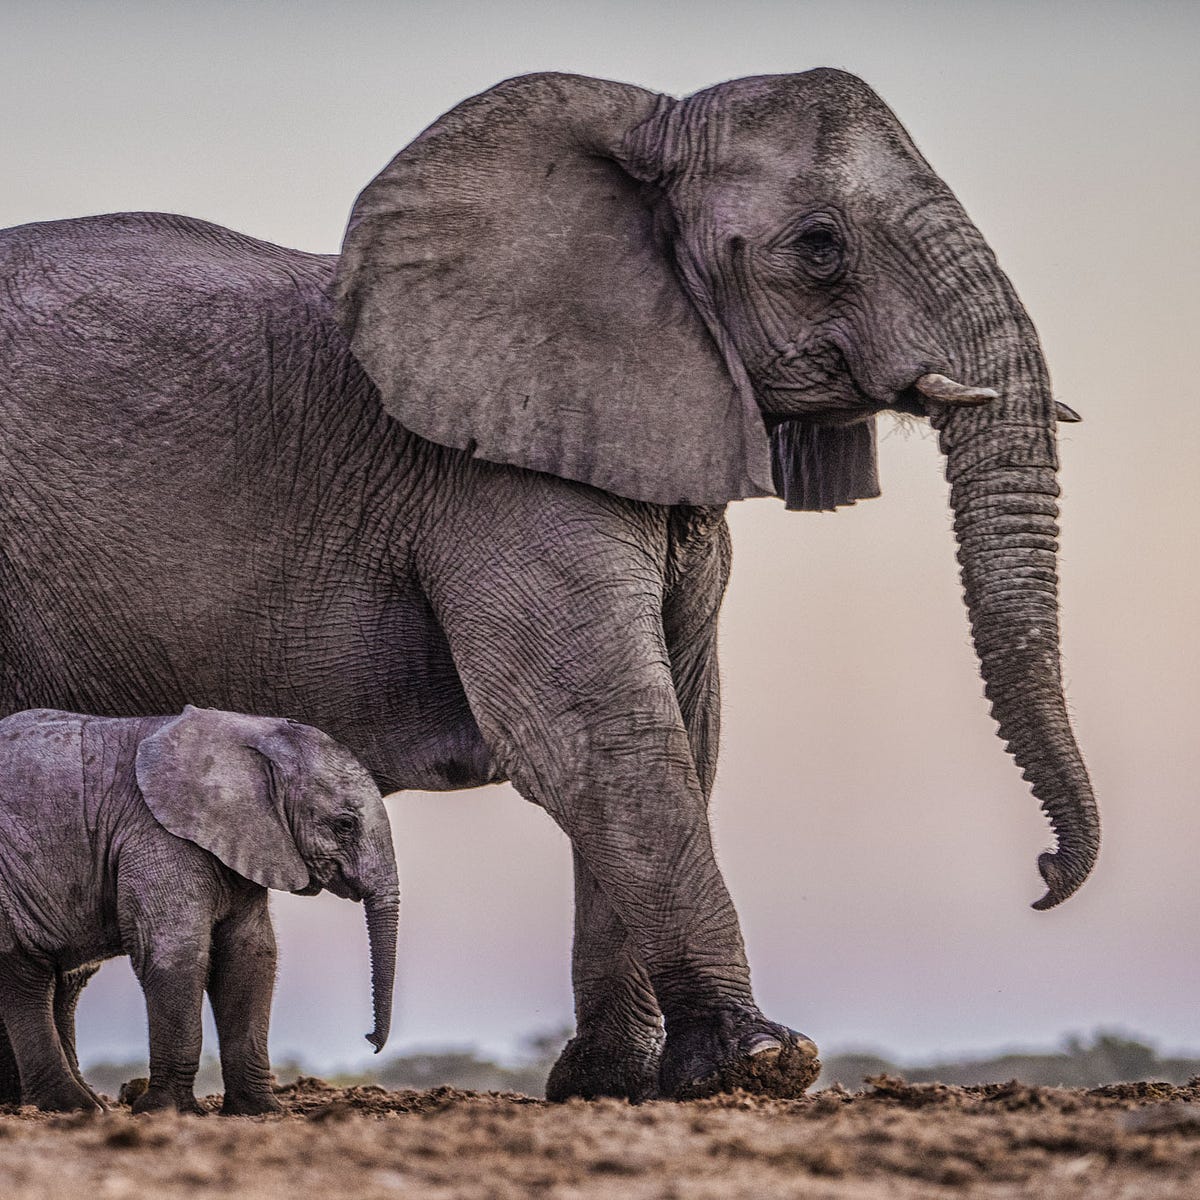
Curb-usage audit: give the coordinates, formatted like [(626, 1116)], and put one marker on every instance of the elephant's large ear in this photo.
[(818, 468), (504, 285), (208, 777)]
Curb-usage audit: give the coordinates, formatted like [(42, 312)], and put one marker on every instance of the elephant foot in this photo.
[(64, 1097), (160, 1099), (591, 1066), (736, 1050), (246, 1104)]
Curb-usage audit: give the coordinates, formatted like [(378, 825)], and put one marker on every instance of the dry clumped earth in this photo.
[(893, 1140)]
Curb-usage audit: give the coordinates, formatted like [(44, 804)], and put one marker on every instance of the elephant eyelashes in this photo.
[(821, 249), (344, 826)]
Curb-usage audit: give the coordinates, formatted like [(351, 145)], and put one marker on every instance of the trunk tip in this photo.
[(377, 1039), (1063, 877)]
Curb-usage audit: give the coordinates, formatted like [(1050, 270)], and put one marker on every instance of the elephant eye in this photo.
[(820, 247), (344, 825), (818, 241)]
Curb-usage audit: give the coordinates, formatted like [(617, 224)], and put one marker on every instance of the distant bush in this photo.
[(1108, 1058)]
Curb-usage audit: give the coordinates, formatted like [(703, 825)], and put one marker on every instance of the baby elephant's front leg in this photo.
[(240, 986), (172, 967)]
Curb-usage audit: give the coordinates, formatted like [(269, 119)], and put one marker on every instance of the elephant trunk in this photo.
[(1001, 462), (383, 920)]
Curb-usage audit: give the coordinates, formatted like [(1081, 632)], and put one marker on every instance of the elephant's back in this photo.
[(79, 288), (126, 334), (48, 263)]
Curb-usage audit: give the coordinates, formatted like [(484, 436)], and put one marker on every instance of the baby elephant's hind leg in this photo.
[(68, 988), (27, 991), (240, 983)]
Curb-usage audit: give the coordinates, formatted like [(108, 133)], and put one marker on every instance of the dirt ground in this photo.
[(892, 1141)]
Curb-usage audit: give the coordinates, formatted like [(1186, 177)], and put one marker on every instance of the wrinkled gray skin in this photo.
[(457, 495), (158, 838)]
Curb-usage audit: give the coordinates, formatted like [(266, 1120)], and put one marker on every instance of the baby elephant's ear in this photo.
[(204, 781)]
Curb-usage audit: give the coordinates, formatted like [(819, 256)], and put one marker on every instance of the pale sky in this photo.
[(879, 844)]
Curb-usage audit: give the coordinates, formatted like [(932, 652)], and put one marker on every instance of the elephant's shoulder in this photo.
[(41, 756), (36, 731)]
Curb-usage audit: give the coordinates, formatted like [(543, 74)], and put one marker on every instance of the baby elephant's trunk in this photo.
[(383, 919)]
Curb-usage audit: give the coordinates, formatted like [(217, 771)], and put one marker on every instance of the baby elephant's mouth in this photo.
[(326, 875), (337, 883)]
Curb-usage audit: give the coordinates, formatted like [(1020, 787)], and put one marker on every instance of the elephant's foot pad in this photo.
[(780, 1064), (589, 1069)]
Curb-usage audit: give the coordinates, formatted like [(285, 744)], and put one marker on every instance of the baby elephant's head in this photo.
[(286, 806)]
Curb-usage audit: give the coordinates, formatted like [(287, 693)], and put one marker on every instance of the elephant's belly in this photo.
[(371, 668), (445, 758), (394, 697)]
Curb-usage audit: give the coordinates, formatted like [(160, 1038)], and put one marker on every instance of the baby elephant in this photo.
[(158, 837)]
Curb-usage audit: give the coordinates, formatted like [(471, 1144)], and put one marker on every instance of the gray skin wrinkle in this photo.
[(457, 495), (87, 872)]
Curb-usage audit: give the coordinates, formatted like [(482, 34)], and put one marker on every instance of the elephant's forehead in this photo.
[(337, 771), (756, 192), (787, 136)]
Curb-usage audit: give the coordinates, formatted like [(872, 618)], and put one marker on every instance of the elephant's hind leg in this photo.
[(68, 988), (618, 1026), (27, 1001)]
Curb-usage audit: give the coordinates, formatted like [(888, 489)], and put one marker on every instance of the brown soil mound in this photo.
[(893, 1141)]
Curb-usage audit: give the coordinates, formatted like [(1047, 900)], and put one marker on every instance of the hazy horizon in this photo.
[(879, 844)]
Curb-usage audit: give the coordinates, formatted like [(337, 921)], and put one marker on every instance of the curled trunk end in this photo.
[(1001, 462), (383, 921), (1006, 524)]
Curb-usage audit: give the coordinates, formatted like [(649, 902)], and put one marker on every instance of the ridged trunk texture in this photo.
[(383, 922), (1001, 462)]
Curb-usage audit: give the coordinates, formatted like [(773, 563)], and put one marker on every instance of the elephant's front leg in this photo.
[(618, 1026), (240, 986), (625, 791), (618, 1038), (171, 963), (558, 638)]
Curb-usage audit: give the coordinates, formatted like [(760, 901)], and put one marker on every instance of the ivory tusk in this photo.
[(945, 391), (1064, 412)]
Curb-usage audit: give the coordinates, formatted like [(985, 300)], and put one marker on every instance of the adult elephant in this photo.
[(456, 495)]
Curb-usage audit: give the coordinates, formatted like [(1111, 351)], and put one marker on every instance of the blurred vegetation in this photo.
[(1107, 1057)]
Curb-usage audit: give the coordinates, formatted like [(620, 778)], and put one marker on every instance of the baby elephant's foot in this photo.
[(160, 1099), (591, 1066), (249, 1104), (736, 1049), (64, 1097)]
